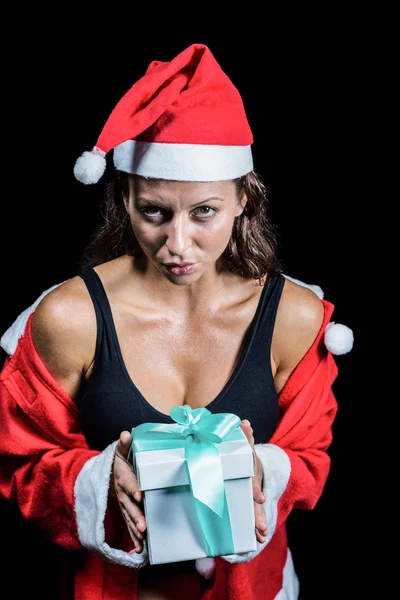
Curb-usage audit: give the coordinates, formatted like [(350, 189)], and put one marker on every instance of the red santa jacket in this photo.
[(61, 484)]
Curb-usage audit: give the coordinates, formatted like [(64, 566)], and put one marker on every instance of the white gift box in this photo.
[(173, 529)]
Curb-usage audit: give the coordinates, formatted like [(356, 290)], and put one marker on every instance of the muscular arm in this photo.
[(64, 333), (298, 321)]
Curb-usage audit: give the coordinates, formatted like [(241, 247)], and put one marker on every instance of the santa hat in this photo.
[(183, 120)]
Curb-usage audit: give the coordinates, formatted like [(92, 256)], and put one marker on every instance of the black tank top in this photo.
[(110, 402)]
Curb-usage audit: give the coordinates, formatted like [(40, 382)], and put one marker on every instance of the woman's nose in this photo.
[(178, 236)]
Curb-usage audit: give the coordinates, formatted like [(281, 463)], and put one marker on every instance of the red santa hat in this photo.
[(183, 120)]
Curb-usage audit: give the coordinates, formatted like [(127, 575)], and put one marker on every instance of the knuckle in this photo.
[(136, 511), (133, 536), (120, 495)]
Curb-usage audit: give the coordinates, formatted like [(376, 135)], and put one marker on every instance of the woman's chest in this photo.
[(183, 361)]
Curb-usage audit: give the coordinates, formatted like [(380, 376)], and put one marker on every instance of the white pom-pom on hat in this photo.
[(338, 338), (90, 166)]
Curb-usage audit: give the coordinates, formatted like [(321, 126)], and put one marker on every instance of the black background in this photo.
[(303, 97)]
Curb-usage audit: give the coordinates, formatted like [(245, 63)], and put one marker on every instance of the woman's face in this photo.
[(177, 221)]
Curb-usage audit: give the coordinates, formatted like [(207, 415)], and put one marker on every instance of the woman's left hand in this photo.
[(258, 496)]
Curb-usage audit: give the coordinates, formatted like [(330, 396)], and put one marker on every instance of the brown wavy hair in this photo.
[(251, 251)]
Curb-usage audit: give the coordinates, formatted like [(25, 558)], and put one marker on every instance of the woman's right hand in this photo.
[(125, 488)]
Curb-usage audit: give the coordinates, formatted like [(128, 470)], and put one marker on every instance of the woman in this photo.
[(139, 331)]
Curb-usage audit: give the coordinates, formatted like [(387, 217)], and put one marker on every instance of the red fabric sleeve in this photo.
[(42, 447), (308, 409)]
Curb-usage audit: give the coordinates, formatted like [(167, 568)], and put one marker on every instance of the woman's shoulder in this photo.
[(300, 307), (64, 331), (67, 306), (299, 319)]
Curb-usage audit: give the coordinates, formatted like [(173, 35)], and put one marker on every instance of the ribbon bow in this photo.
[(197, 431)]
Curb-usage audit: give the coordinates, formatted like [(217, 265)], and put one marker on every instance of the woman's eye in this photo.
[(147, 211), (206, 208)]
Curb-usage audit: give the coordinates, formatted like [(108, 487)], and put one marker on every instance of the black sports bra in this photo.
[(110, 402)]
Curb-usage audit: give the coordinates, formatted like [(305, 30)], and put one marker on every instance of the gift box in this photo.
[(196, 475)]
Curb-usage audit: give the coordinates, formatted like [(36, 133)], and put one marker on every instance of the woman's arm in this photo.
[(64, 334), (47, 469), (295, 462), (299, 319)]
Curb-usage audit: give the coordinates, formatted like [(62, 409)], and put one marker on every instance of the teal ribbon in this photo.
[(197, 431)]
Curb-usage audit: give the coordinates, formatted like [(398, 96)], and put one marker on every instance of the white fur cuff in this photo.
[(91, 497)]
